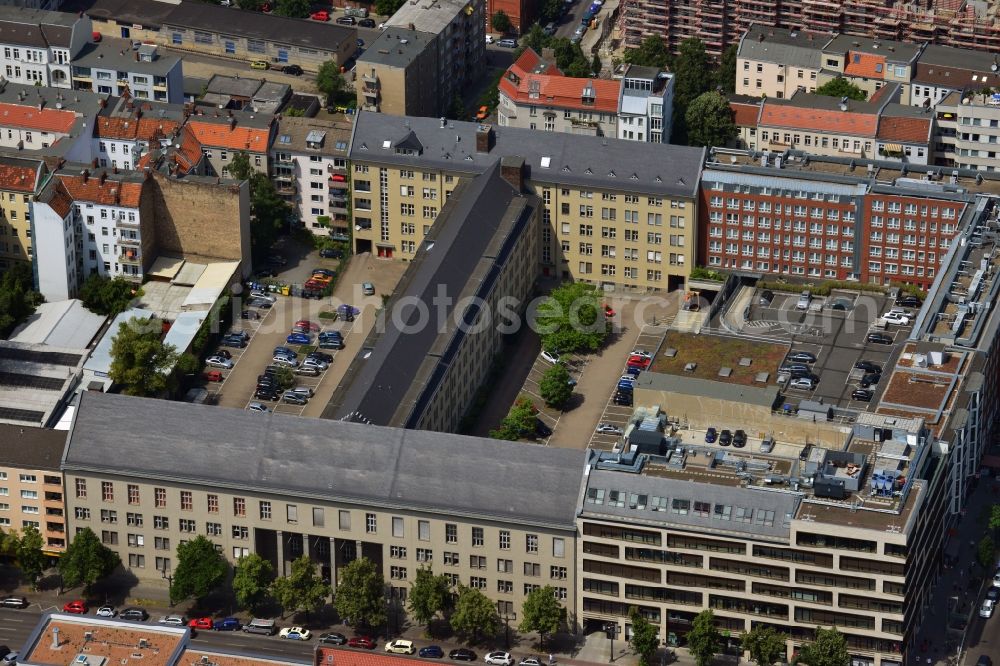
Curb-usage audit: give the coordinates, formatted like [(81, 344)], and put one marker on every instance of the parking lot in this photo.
[(547, 415), (835, 330)]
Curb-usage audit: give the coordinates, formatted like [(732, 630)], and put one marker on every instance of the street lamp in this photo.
[(170, 581), (612, 629)]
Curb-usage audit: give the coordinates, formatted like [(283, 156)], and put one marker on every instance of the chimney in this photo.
[(512, 170), (549, 54), (484, 138), (104, 177), (55, 638), (444, 122), (232, 124), (85, 175)]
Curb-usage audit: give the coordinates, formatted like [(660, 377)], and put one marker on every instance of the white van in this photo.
[(258, 626)]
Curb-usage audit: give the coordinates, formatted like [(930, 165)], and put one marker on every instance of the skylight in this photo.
[(546, 162), (387, 144), (285, 138)]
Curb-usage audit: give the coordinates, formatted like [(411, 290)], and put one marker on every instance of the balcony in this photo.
[(370, 79), (131, 242), (285, 189), (370, 93), (129, 257), (339, 184), (370, 107)]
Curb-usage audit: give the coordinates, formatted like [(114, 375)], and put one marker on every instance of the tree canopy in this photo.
[(30, 558), (644, 640), (388, 7), (330, 81), (239, 167), (86, 560), (829, 649), (475, 614), (725, 73), (985, 551), (704, 639), (501, 22), (200, 569), (519, 422), (302, 590), (555, 388), (359, 595), (108, 296), (429, 595), (765, 645), (541, 612), (18, 299), (140, 362), (652, 52), (841, 87), (251, 581), (550, 11), (709, 121), (269, 213), (572, 319), (292, 8)]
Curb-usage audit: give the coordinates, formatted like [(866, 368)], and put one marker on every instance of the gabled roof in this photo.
[(864, 65), (111, 192), (905, 130), (18, 175), (851, 122), (229, 133), (745, 113), (133, 129), (522, 84), (36, 28), (32, 118), (793, 48)]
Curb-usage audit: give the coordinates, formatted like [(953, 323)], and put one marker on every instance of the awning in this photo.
[(892, 147)]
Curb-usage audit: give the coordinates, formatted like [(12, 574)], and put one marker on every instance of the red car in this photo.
[(78, 607), (313, 284), (201, 623), (310, 325), (321, 15), (639, 361), (361, 642), (609, 312)]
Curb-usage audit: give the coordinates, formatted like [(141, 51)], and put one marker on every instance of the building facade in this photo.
[(968, 128), (398, 74), (31, 484), (19, 180), (127, 129), (39, 45), (646, 104), (778, 62), (224, 135), (144, 73)]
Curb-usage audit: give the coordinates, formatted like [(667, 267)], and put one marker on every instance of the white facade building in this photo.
[(645, 106), (37, 46)]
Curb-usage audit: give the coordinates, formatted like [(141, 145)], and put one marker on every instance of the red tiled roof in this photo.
[(109, 193), (18, 178), (30, 117), (229, 135), (745, 115), (60, 201), (189, 152), (818, 120), (529, 62), (142, 129), (865, 66), (554, 89), (905, 130)]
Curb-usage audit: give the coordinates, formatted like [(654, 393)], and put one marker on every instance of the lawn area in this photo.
[(712, 352)]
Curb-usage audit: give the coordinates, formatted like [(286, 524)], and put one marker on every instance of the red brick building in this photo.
[(522, 14)]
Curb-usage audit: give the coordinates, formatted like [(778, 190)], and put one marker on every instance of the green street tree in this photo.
[(725, 74), (251, 581), (519, 422), (555, 388), (829, 649), (541, 612), (570, 58), (429, 595), (765, 645), (535, 39), (18, 299), (86, 561), (644, 640), (387, 7), (360, 594), (239, 167), (692, 72), (475, 614), (303, 591), (550, 11), (30, 558), (985, 551), (200, 569), (994, 523), (140, 362), (652, 52), (709, 121), (108, 296), (572, 319), (501, 22), (269, 213), (704, 640), (292, 8), (330, 81), (841, 87)]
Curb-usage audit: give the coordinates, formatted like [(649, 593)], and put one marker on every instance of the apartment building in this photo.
[(615, 213), (19, 180), (47, 120), (428, 53), (480, 276), (322, 488), (778, 62), (38, 46), (144, 73), (646, 105), (968, 131), (534, 94), (870, 64), (31, 484), (224, 135), (126, 129), (306, 157), (942, 70)]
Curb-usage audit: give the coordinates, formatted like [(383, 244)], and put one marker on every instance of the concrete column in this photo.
[(333, 563), (281, 552), (305, 545)]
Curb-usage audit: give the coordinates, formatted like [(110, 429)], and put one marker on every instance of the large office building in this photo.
[(615, 213), (329, 489)]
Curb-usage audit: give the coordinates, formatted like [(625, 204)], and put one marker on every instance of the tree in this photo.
[(572, 319), (829, 649), (330, 81), (429, 595), (303, 590), (535, 39), (86, 561), (644, 640), (985, 551), (107, 296), (541, 612), (250, 5), (704, 639), (596, 65), (709, 121), (200, 569), (501, 22), (292, 8), (550, 11), (30, 557), (387, 7), (269, 213), (360, 594), (725, 75), (570, 58), (841, 87), (239, 167), (765, 645), (519, 422), (994, 523), (251, 580), (475, 614), (652, 52), (555, 387), (18, 299), (285, 378), (692, 73), (140, 362)]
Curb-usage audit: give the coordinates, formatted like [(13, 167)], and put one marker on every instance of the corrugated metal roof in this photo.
[(65, 324)]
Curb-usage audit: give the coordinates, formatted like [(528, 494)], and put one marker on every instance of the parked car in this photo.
[(862, 395), (219, 362), (639, 361), (725, 438), (986, 610), (14, 602), (107, 611), (802, 357), (260, 64), (333, 638), (794, 369), (310, 326), (9, 659), (329, 252), (367, 288), (711, 435), (984, 660), (227, 624), (609, 429), (996, 578), (233, 341), (290, 398), (400, 646), (623, 399), (431, 652), (870, 379), (507, 43), (361, 642), (551, 356), (804, 383), (201, 623), (321, 15), (173, 620), (462, 654), (499, 659), (895, 318), (642, 353), (295, 634), (261, 303), (739, 439), (257, 293), (285, 361), (366, 23), (77, 607), (299, 339), (879, 338), (250, 314), (315, 363), (308, 371), (868, 366), (326, 358), (257, 408), (530, 661), (541, 429), (909, 301), (804, 299), (765, 298), (294, 70), (346, 20), (135, 614)]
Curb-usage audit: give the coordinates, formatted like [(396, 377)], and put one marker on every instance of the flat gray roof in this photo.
[(427, 15), (763, 396), (30, 447), (893, 51), (396, 47), (61, 324), (797, 48), (327, 461), (950, 56), (557, 157), (107, 56)]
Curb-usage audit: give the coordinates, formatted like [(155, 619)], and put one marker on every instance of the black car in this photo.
[(624, 399), (294, 70), (868, 366), (909, 301), (134, 613), (331, 343), (224, 353), (879, 338), (333, 638), (725, 438), (261, 303), (984, 660), (802, 357), (462, 654), (329, 252), (321, 356), (347, 20), (249, 314), (541, 429), (864, 395), (233, 341), (870, 379), (14, 602), (739, 439), (367, 23), (766, 297)]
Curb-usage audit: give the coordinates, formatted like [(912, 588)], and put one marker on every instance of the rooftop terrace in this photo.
[(717, 357)]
